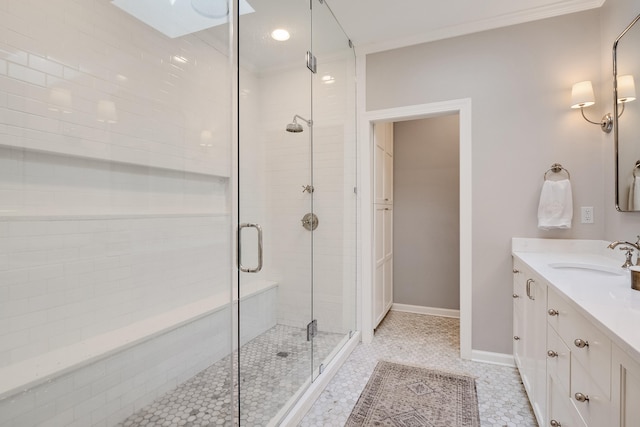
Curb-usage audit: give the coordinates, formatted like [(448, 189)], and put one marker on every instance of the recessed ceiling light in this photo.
[(280, 34)]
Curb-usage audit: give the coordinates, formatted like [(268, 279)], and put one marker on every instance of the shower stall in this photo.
[(178, 209)]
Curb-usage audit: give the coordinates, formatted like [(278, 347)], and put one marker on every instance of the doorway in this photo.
[(426, 223), (463, 108)]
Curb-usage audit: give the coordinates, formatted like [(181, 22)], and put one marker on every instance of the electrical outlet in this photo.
[(587, 214)]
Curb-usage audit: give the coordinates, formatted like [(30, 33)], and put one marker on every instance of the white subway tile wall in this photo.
[(86, 79), (69, 280), (114, 203)]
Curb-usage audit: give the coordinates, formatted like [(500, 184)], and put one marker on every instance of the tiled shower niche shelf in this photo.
[(213, 168), (8, 217)]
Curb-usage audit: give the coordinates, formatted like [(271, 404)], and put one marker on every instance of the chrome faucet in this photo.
[(631, 246)]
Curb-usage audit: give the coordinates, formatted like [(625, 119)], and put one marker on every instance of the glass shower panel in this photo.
[(275, 192), (115, 242), (334, 172)]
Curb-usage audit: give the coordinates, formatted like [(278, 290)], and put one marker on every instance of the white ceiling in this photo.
[(375, 25)]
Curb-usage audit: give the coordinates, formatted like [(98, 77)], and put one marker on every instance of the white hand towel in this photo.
[(556, 205)]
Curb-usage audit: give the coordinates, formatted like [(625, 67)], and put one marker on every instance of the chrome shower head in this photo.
[(296, 127)]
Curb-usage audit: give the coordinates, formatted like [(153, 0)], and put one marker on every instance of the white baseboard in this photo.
[(307, 400), (432, 311), (493, 358)]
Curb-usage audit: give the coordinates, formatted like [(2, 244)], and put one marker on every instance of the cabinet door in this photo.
[(388, 257), (560, 408), (518, 321), (538, 355), (625, 393), (379, 254), (388, 177), (379, 158), (383, 163)]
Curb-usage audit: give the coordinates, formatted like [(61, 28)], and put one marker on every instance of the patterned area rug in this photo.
[(402, 396)]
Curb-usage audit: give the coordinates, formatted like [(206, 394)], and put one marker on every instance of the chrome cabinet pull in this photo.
[(517, 338), (581, 343), (552, 353), (516, 296), (516, 271), (581, 397), (529, 282), (239, 254), (554, 423), (553, 312)]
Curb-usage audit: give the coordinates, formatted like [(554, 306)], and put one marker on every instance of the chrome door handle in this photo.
[(239, 254)]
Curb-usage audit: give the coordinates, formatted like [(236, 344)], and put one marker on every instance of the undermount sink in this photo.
[(601, 270)]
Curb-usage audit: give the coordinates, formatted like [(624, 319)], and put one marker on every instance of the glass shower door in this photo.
[(334, 172), (275, 200)]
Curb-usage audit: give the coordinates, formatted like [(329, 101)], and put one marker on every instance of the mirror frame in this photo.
[(615, 112)]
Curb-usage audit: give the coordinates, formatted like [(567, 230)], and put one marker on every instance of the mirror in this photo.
[(626, 71)]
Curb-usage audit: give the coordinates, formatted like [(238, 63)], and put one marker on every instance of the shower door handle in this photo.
[(239, 254)]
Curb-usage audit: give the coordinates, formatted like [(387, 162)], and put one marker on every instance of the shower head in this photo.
[(296, 127)]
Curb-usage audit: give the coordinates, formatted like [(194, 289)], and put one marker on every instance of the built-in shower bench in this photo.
[(93, 359)]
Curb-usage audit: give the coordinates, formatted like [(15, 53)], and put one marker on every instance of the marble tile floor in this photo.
[(274, 366), (427, 341)]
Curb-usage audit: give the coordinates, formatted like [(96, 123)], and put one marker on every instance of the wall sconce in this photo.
[(582, 97)]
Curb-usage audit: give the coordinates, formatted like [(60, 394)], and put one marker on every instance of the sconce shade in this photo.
[(582, 95), (626, 89)]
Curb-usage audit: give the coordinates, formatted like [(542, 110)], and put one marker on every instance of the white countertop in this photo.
[(605, 299)]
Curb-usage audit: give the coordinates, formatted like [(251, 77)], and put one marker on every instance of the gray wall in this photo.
[(426, 205), (519, 79)]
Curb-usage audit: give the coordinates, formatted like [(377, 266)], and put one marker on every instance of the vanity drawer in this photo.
[(596, 409), (561, 410), (587, 344), (558, 360)]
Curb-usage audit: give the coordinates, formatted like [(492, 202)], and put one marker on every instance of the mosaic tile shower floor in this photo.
[(426, 341), (275, 365)]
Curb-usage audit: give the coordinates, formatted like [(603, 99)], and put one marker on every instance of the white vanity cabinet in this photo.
[(529, 334), (578, 367), (591, 324)]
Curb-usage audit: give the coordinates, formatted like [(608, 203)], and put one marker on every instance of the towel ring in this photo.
[(557, 168), (635, 168)]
